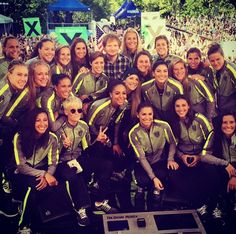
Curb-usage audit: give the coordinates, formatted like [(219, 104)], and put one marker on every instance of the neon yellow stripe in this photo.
[(57, 151), (49, 103), (97, 110), (131, 142), (205, 120), (78, 86), (147, 82), (84, 143), (17, 101), (68, 191), (24, 205), (206, 144), (57, 70), (166, 135), (50, 156), (177, 85), (76, 78), (211, 99), (231, 69), (17, 158), (4, 88)]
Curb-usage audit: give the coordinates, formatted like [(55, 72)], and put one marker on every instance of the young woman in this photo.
[(197, 91), (161, 90), (143, 63), (79, 57), (131, 44), (52, 98), (39, 80), (44, 50), (62, 61), (224, 147), (36, 156), (196, 179), (76, 161), (197, 67), (90, 85), (149, 139), (162, 47)]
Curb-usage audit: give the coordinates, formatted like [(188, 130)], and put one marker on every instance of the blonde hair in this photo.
[(70, 101), (124, 49)]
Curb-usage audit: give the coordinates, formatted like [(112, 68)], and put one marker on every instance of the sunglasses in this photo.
[(72, 111)]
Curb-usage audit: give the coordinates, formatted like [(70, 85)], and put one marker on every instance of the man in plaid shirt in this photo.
[(115, 63)]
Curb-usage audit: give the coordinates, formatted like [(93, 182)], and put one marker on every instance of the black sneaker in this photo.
[(9, 209), (203, 213), (106, 208), (82, 217), (218, 217), (24, 230)]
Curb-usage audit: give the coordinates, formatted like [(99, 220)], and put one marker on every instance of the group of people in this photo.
[(90, 121)]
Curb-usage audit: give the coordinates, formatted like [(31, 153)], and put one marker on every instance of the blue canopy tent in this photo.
[(127, 10), (67, 6)]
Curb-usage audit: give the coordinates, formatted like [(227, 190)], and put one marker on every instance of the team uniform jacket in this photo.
[(4, 63), (79, 136), (167, 59), (56, 69), (100, 114), (225, 86), (47, 155), (50, 102), (201, 98), (88, 84), (161, 103), (229, 150), (197, 139), (12, 103), (149, 145)]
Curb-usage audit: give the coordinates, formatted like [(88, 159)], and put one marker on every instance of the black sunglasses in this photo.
[(72, 111)]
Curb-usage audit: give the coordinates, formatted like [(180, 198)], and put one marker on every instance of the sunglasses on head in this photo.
[(72, 111)]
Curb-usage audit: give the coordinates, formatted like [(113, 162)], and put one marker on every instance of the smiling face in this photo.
[(193, 60), (63, 89), (228, 125), (74, 113), (112, 48), (145, 116), (179, 71), (144, 64), (41, 75), (12, 49), (18, 77), (161, 48), (181, 108), (47, 52), (80, 50), (216, 60), (161, 74), (64, 56), (41, 123), (131, 41), (118, 95), (131, 82), (98, 66)]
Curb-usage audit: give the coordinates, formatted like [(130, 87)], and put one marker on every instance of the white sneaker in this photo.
[(24, 230), (105, 207)]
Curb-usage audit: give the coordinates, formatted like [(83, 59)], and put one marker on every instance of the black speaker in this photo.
[(56, 205)]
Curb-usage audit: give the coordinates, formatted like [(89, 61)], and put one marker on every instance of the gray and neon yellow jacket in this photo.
[(12, 103), (56, 69), (161, 103), (50, 102), (79, 136), (197, 139), (168, 59), (4, 63), (229, 150), (88, 84), (225, 86), (149, 144), (201, 97), (100, 114), (43, 156)]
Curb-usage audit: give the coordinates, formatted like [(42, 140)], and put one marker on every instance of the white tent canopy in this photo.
[(5, 20)]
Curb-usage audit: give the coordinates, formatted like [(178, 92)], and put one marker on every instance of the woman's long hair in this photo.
[(28, 136), (218, 133), (174, 119), (38, 46)]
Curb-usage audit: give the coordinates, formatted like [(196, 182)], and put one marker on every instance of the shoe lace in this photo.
[(82, 213), (217, 213), (105, 206), (202, 210)]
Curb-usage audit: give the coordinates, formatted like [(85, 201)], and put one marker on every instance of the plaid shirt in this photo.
[(115, 70)]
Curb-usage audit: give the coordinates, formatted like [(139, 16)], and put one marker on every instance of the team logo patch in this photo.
[(194, 127), (80, 133), (157, 134)]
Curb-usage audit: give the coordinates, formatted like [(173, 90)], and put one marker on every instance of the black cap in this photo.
[(129, 72)]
